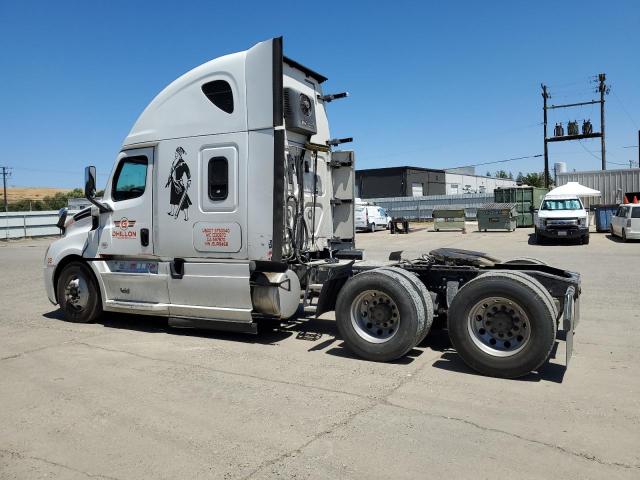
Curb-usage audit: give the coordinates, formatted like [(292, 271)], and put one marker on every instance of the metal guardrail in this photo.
[(421, 208), (28, 224)]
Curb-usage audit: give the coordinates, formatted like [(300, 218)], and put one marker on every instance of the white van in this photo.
[(562, 217), (371, 217), (626, 222)]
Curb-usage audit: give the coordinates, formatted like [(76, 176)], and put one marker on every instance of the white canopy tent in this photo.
[(574, 188)]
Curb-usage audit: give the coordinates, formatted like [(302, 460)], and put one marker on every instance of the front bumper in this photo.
[(49, 271), (566, 232)]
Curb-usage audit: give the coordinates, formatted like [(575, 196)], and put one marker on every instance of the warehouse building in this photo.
[(460, 181), (614, 185), (399, 182), (418, 182)]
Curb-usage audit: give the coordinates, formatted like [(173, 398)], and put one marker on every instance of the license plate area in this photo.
[(562, 233)]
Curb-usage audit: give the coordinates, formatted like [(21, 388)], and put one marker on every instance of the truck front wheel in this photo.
[(78, 293), (379, 316), (503, 324)]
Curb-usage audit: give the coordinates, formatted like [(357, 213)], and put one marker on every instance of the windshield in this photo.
[(564, 204)]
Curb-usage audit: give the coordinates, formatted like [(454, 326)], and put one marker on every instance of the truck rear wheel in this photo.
[(503, 324), (422, 292), (379, 315), (78, 293)]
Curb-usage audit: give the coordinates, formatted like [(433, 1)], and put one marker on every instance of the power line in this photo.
[(501, 161), (588, 151), (625, 110)]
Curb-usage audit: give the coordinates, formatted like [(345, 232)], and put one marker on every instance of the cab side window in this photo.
[(130, 179), (635, 213), (220, 94), (218, 178)]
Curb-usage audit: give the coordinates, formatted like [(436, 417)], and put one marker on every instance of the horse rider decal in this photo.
[(179, 198)]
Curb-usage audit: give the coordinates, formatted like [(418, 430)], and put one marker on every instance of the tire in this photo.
[(543, 292), (624, 235), (423, 293), (378, 343), (78, 293), (372, 227), (585, 240), (527, 321)]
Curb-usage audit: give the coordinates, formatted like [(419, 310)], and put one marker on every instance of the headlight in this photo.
[(582, 222)]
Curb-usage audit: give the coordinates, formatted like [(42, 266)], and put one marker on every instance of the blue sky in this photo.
[(432, 84)]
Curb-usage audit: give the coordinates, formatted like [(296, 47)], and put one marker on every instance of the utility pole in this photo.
[(545, 96), (6, 172), (602, 88), (573, 132)]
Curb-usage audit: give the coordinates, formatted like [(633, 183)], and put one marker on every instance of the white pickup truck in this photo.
[(562, 217)]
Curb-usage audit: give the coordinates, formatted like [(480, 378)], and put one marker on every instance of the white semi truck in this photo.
[(229, 205)]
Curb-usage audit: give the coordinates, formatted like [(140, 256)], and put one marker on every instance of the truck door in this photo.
[(131, 275), (127, 230)]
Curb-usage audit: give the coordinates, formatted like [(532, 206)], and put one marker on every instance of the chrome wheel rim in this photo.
[(76, 293), (375, 316), (499, 326)]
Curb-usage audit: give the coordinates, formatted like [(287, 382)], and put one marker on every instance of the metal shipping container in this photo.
[(613, 184), (526, 199), (497, 216)]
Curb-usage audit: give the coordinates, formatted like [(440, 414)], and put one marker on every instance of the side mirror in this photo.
[(62, 218), (90, 189), (90, 182)]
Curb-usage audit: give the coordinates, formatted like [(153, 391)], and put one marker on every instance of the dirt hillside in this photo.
[(30, 193)]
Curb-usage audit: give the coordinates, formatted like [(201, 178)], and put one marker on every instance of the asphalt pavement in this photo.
[(129, 398)]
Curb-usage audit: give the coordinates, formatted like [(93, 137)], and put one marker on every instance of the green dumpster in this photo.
[(448, 219), (526, 199), (497, 216)]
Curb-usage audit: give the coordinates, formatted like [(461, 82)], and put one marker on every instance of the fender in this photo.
[(66, 249)]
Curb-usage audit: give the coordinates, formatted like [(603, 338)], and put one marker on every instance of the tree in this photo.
[(501, 174), (510, 176), (520, 177), (535, 179), (488, 173)]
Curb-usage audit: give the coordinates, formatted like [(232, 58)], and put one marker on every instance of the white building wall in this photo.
[(457, 183)]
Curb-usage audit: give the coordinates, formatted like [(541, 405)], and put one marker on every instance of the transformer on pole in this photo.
[(573, 129)]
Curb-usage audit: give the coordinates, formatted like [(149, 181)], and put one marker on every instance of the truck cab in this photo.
[(562, 217), (226, 175)]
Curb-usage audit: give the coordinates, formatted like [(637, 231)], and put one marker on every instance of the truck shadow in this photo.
[(313, 330), (150, 324), (451, 361)]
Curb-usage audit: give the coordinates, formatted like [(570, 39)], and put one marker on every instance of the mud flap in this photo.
[(571, 317)]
